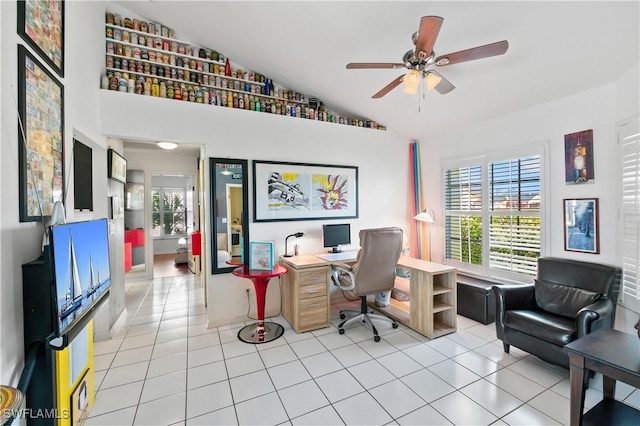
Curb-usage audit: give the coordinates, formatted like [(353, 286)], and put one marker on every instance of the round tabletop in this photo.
[(246, 272)]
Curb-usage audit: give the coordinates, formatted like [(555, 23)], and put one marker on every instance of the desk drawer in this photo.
[(314, 311), (312, 290), (316, 276)]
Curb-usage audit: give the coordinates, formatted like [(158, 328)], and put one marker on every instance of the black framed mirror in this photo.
[(229, 213)]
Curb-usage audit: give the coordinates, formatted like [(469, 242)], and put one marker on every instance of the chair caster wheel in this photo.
[(342, 316), (394, 325), (341, 331), (376, 338)]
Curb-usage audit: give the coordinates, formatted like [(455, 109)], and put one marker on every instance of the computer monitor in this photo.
[(336, 235)]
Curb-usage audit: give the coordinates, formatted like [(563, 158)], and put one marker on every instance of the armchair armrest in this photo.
[(515, 296), (337, 269), (594, 316), (510, 297)]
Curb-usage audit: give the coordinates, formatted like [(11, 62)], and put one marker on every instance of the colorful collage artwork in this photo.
[(293, 191), (43, 29), (42, 112)]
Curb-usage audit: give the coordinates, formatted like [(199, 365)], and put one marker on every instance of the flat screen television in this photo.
[(80, 270), (336, 235)]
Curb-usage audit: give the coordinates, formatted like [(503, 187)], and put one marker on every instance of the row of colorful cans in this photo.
[(173, 60), (155, 31), (180, 91), (139, 25), (163, 70)]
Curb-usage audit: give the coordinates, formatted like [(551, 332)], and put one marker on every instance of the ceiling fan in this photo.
[(419, 61)]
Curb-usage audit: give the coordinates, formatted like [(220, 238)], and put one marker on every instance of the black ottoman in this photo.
[(476, 299)]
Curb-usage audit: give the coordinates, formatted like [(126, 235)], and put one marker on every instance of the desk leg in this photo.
[(577, 372), (608, 387)]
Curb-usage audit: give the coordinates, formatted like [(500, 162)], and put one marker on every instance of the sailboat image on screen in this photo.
[(94, 278), (73, 298)]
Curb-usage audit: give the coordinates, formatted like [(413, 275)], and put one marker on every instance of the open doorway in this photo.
[(171, 194), (173, 211)]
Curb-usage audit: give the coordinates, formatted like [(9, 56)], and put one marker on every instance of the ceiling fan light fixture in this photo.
[(167, 145), (226, 171), (431, 79), (411, 82)]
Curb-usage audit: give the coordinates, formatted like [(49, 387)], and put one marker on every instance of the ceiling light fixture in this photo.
[(167, 145), (431, 79), (411, 82), (226, 171)]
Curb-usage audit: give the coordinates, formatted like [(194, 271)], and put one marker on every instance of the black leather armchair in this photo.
[(568, 300)]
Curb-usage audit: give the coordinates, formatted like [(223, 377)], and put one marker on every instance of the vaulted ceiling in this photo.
[(555, 49)]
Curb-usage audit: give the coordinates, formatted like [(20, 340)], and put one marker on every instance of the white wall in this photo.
[(21, 242), (598, 109), (627, 90), (382, 158)]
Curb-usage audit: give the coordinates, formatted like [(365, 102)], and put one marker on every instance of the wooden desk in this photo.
[(431, 310), (617, 356)]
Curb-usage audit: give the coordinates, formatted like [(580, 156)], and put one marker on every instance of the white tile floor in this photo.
[(164, 367)]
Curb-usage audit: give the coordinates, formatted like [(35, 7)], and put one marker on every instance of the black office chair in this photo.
[(373, 272)]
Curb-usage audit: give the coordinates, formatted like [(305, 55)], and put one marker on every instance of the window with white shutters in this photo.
[(463, 220), (514, 206), (493, 214), (629, 138)]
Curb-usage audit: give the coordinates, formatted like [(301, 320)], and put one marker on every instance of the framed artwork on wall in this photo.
[(581, 225), (40, 138), (301, 191), (578, 157), (41, 25), (116, 166)]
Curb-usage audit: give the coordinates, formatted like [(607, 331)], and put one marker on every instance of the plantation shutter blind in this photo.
[(463, 206), (630, 140), (514, 208)]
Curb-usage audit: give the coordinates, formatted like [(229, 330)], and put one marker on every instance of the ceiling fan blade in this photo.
[(444, 86), (493, 49), (389, 87), (373, 65), (427, 34)]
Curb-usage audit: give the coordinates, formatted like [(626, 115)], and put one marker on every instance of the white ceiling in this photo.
[(555, 49)]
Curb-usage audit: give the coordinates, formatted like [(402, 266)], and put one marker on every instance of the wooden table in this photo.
[(262, 331), (617, 356)]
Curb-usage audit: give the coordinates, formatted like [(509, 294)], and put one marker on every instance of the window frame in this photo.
[(162, 190), (485, 213)]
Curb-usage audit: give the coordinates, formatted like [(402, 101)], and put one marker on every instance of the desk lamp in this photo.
[(297, 235)]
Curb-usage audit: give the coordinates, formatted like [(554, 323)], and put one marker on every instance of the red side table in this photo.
[(260, 332)]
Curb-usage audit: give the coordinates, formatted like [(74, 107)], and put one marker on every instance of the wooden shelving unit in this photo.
[(431, 310)]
